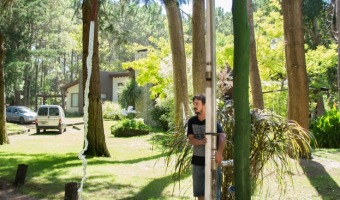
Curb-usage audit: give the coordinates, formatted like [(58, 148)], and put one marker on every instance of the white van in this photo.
[(50, 117)]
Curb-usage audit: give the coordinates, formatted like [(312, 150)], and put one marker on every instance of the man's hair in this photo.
[(200, 97)]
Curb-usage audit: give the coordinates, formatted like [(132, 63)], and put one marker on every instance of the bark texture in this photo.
[(338, 34), (198, 46), (3, 132), (298, 99), (255, 79), (178, 62), (95, 135)]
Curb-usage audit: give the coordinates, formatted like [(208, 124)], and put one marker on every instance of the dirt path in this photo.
[(9, 192)]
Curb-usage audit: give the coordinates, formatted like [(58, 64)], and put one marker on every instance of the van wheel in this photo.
[(22, 121)]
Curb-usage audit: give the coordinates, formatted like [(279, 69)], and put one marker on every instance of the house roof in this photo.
[(110, 74), (119, 74), (70, 84)]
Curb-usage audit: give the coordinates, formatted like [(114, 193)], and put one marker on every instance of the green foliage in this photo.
[(36, 53), (318, 62), (160, 114), (129, 93), (111, 110), (326, 129), (129, 128), (155, 68), (274, 141), (124, 23)]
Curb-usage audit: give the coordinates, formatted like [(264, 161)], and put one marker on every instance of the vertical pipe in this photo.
[(210, 126), (241, 101)]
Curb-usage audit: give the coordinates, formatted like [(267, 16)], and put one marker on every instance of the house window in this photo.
[(74, 99), (103, 96)]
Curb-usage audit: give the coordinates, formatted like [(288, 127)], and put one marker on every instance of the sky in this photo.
[(225, 4)]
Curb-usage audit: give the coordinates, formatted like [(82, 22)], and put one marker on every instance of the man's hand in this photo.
[(218, 157), (204, 141)]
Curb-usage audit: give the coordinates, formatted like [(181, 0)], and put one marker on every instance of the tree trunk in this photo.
[(3, 132), (298, 109), (26, 87), (198, 46), (338, 28), (95, 135), (241, 100), (178, 62), (255, 79)]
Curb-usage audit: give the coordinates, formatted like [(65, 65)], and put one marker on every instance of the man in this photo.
[(196, 137)]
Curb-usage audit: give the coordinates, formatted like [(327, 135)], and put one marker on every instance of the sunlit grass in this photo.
[(11, 127), (136, 169)]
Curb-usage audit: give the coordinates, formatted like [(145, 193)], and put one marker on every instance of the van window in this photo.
[(43, 112), (54, 112)]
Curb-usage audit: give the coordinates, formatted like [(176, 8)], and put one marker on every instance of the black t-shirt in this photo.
[(197, 128)]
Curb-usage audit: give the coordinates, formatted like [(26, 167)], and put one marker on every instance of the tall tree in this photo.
[(298, 108), (255, 79), (95, 135), (198, 46), (3, 131), (178, 61), (338, 28), (241, 100)]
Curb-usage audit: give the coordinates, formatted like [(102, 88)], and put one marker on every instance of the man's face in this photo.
[(198, 106)]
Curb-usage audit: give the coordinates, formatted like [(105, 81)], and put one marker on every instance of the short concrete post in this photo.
[(21, 175), (71, 191)]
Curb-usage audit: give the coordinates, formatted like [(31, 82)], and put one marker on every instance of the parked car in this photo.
[(20, 114), (50, 117)]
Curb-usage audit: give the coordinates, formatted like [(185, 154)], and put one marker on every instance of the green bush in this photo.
[(160, 115), (111, 110), (129, 93), (274, 142), (129, 128), (326, 130)]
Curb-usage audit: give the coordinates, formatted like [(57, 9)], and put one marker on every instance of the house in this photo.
[(110, 83)]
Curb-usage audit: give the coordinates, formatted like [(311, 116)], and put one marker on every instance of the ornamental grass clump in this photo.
[(275, 143)]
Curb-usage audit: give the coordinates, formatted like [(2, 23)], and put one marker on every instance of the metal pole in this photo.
[(210, 126)]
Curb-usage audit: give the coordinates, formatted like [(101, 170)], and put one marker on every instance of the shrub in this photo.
[(129, 93), (160, 115), (129, 128), (274, 140), (326, 130), (111, 110)]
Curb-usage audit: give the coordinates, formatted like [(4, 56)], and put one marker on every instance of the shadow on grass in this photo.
[(132, 161), (155, 188), (52, 133), (320, 179), (50, 167), (46, 166)]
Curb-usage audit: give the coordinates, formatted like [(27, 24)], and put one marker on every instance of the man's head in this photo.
[(199, 104)]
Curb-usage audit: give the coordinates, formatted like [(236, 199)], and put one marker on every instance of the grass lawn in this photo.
[(136, 170), (11, 127)]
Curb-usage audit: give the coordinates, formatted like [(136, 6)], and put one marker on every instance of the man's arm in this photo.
[(196, 142), (221, 137)]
